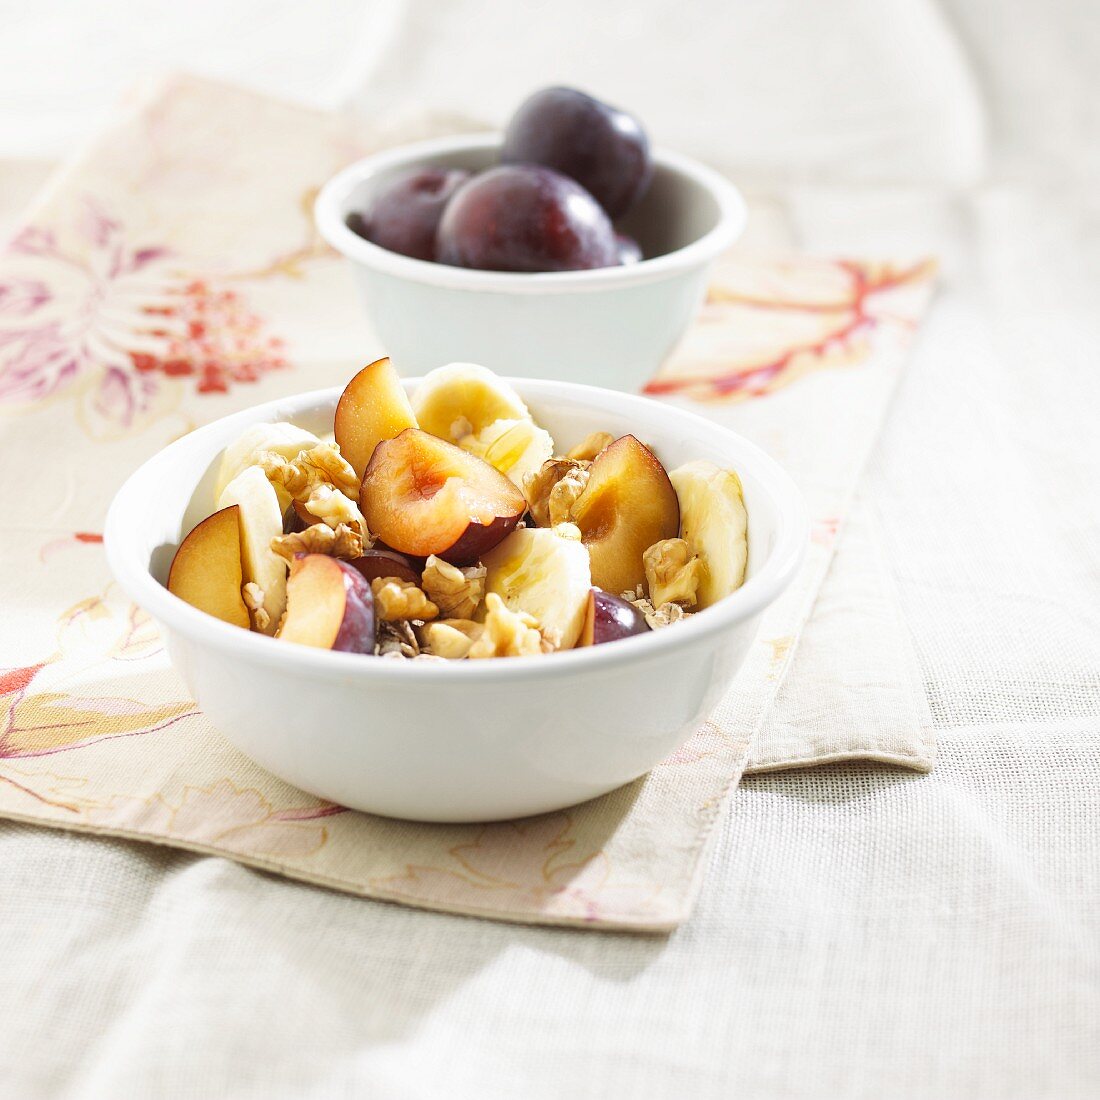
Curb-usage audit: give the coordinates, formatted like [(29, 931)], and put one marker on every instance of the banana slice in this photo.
[(284, 439), (462, 399), (545, 574), (714, 523), (514, 447), (261, 521)]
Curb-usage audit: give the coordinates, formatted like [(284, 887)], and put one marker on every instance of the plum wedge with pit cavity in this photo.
[(422, 495), (627, 505)]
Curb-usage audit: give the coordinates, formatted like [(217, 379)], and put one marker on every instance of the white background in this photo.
[(862, 932)]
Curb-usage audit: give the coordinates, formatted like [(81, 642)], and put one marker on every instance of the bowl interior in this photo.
[(675, 211), (175, 488)]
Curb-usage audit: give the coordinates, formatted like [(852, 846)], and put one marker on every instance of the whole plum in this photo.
[(525, 217), (404, 214), (603, 148)]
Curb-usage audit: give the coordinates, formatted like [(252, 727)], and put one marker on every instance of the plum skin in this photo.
[(386, 563), (526, 218), (404, 214), (609, 618), (359, 627), (602, 147)]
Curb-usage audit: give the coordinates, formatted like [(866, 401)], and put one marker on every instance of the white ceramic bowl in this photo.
[(613, 326), (470, 740)]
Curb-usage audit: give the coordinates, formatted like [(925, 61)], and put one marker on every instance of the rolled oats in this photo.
[(253, 596)]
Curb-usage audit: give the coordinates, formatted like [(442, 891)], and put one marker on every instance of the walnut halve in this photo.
[(673, 573), (506, 633), (552, 490), (456, 592), (396, 600), (342, 542)]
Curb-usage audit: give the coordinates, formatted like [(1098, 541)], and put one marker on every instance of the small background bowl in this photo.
[(469, 740), (612, 326)]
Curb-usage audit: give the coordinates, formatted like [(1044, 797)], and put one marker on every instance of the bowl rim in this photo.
[(136, 580), (330, 210)]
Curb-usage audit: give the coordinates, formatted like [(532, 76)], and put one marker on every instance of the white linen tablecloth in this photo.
[(862, 932)]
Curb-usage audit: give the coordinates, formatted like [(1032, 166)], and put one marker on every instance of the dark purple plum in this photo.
[(609, 618), (604, 149), (525, 217), (404, 214), (630, 252)]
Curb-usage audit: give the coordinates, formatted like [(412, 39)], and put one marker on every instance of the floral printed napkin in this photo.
[(170, 275)]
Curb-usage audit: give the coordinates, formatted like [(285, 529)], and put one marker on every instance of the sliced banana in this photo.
[(514, 447), (546, 575), (463, 399), (714, 523), (284, 439), (261, 521)]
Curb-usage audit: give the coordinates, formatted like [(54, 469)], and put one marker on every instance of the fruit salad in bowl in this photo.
[(499, 597), (449, 527)]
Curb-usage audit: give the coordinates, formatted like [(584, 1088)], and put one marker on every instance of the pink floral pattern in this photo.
[(753, 340), (90, 310), (45, 709)]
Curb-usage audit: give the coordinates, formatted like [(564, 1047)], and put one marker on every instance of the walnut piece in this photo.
[(552, 490), (450, 638), (342, 542), (396, 600), (673, 572), (333, 507), (253, 596), (564, 495), (456, 592), (319, 465), (507, 633), (592, 445)]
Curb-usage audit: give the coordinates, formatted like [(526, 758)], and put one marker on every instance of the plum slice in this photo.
[(207, 572), (627, 505), (422, 495), (372, 407), (329, 606)]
